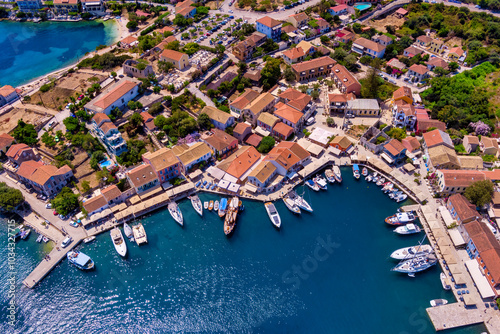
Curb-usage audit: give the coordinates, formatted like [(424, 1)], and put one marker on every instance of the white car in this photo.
[(48, 206), (66, 242), (230, 11), (310, 121)]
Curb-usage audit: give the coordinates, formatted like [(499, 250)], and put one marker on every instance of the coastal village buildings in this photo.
[(94, 7), (262, 103), (238, 165), (236, 107), (164, 163), (6, 141), (47, 180), (471, 143), (450, 181), (136, 69), (269, 27), (244, 49), (241, 131), (489, 146), (345, 81), (222, 143), (313, 68), (143, 178), (287, 157), (262, 175), (190, 155), (179, 59), (220, 119), (19, 153), (64, 7), (363, 107), (364, 46), (29, 6), (394, 152), (461, 209), (298, 20), (117, 96), (108, 134), (8, 94), (185, 8), (267, 121), (341, 143)]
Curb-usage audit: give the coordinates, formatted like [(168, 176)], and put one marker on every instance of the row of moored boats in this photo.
[(387, 187)]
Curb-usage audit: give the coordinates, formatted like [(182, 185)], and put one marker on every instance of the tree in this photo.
[(315, 94), (65, 202), (480, 193), (85, 186), (136, 120), (97, 157), (165, 66), (132, 25), (72, 124), (10, 198), (266, 144), (453, 66), (25, 133), (288, 74), (271, 73), (204, 122), (48, 140), (371, 83)]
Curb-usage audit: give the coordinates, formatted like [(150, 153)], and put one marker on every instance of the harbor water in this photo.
[(31, 50), (324, 272)]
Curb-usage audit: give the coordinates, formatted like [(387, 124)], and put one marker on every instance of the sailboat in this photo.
[(196, 203), (415, 265), (273, 214), (299, 200), (222, 207), (231, 214), (337, 174), (176, 213), (411, 252), (118, 241), (290, 204)]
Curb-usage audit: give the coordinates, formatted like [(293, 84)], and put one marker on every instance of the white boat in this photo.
[(401, 218), (80, 260), (216, 206), (128, 231), (411, 252), (445, 281), (329, 176), (176, 213), (299, 201), (89, 239), (205, 205), (375, 179), (415, 265), (369, 178), (118, 241), (388, 187), (222, 207), (196, 203), (140, 235), (321, 182), (401, 198), (39, 239), (407, 229), (438, 302), (311, 184), (290, 204), (380, 181), (45, 239), (355, 171), (273, 214), (337, 174), (364, 172)]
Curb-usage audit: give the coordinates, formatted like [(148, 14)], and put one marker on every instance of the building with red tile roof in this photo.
[(6, 141), (423, 125), (282, 131), (461, 209), (345, 81), (44, 179), (221, 142), (411, 143), (164, 163), (19, 153), (290, 116), (241, 131), (313, 68), (253, 140), (437, 137), (456, 181), (287, 157), (117, 96), (143, 178), (240, 162)]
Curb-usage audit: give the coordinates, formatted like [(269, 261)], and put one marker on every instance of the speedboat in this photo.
[(210, 205), (273, 214), (337, 174), (355, 171), (80, 260), (364, 172), (321, 182), (118, 241), (45, 239), (39, 239), (388, 187), (329, 176), (401, 198), (140, 235), (311, 184), (216, 205), (411, 252), (25, 233), (290, 204), (407, 229), (128, 231), (222, 207), (380, 181), (369, 178), (299, 201), (444, 281), (375, 179), (205, 205), (401, 218), (438, 302), (196, 203), (89, 239), (416, 264), (176, 213)]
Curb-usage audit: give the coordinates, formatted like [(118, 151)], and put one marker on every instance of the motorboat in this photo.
[(321, 182), (176, 213), (375, 174), (89, 239), (380, 181), (299, 201), (196, 203), (330, 176), (401, 198), (375, 179), (80, 260), (45, 239), (355, 171), (337, 174), (401, 218), (364, 172), (231, 215), (407, 229), (205, 205), (388, 187), (222, 207), (210, 205), (445, 281), (128, 231), (140, 235), (216, 205), (118, 241), (438, 302), (369, 178), (25, 233), (416, 264), (411, 252), (273, 214), (395, 194), (290, 204), (39, 239), (311, 184)]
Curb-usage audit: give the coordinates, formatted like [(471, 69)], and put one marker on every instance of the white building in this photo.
[(116, 96)]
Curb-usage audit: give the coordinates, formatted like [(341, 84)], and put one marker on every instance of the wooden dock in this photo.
[(454, 315)]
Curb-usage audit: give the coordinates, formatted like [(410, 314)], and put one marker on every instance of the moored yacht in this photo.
[(273, 214), (80, 260), (416, 264), (210, 205), (222, 207), (445, 281), (355, 171), (411, 252), (364, 172), (216, 205), (290, 204), (176, 213), (401, 218), (231, 215), (337, 174), (330, 176), (311, 184), (321, 182), (140, 235), (299, 201), (128, 231), (438, 302), (196, 203), (118, 241), (407, 229)]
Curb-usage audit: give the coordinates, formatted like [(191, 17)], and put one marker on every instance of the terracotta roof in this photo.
[(424, 124), (437, 62), (253, 140), (342, 141), (105, 127), (346, 34), (402, 11), (172, 54), (99, 117), (424, 39), (263, 171), (43, 173), (111, 192), (61, 2), (411, 143), (146, 116), (496, 198), (115, 94), (183, 4), (240, 161), (220, 140), (185, 11), (461, 178), (16, 150), (260, 102), (244, 99), (283, 129), (394, 147), (296, 99), (288, 29), (95, 203), (142, 13), (6, 140), (240, 128), (489, 142), (141, 175), (437, 137), (472, 139), (346, 77), (491, 259), (420, 69), (7, 90), (268, 21), (290, 114), (322, 23), (339, 98), (165, 29), (216, 114), (371, 45), (384, 38), (253, 75), (128, 40), (268, 119), (287, 154), (194, 152), (27, 168), (161, 159), (441, 154), (313, 64), (338, 8), (465, 210), (402, 92), (294, 53), (413, 51), (483, 238), (295, 148), (300, 16), (458, 51)]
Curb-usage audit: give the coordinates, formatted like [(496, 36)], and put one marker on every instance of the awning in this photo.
[(223, 184), (334, 151), (455, 269), (446, 250), (260, 131), (230, 178), (459, 279), (387, 158), (215, 172), (481, 282), (448, 220), (350, 149), (409, 168), (449, 258), (233, 187), (291, 175), (456, 237), (251, 188), (196, 174), (469, 300)]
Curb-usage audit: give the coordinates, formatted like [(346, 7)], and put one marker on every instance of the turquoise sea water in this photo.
[(30, 50), (195, 279)]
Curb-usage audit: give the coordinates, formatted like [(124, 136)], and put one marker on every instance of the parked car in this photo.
[(310, 121), (48, 206), (66, 242)]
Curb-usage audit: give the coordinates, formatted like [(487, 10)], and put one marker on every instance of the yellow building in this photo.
[(436, 46), (179, 59)]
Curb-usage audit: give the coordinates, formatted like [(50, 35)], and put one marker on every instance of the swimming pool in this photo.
[(107, 164), (361, 6)]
